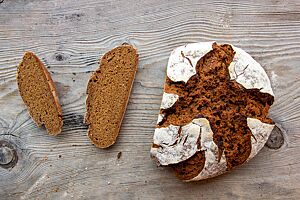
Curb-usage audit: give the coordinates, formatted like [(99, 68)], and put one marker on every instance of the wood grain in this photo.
[(70, 36)]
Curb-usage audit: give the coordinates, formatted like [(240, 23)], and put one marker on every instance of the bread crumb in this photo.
[(45, 158), (56, 189), (119, 155)]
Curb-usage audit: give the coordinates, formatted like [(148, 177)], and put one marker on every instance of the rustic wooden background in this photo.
[(71, 35)]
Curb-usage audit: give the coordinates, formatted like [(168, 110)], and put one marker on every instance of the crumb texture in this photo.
[(108, 92), (226, 104), (39, 94)]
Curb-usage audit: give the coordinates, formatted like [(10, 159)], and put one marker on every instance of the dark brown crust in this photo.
[(52, 89), (104, 138), (191, 167), (225, 103)]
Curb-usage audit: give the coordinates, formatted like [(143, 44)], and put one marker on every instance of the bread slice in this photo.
[(108, 92), (39, 94)]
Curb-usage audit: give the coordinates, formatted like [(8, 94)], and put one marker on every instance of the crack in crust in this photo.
[(243, 71)]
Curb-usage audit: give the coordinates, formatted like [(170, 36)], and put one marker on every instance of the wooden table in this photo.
[(71, 35)]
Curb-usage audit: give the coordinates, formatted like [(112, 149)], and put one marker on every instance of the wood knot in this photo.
[(276, 139), (8, 155), (60, 57)]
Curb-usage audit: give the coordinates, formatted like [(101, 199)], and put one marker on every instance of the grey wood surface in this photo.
[(71, 35)]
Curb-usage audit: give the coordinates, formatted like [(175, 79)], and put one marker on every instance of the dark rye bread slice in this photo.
[(108, 92), (39, 94)]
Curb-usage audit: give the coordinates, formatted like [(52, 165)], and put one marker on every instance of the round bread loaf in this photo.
[(214, 111)]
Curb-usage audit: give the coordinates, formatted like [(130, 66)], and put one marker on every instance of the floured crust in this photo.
[(212, 166), (182, 62), (248, 72), (212, 163), (168, 100), (181, 67), (53, 95), (261, 132), (177, 144)]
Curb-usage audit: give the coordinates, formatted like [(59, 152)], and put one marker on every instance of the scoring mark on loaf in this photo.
[(213, 166)]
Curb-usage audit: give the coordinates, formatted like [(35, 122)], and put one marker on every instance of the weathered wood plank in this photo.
[(70, 36)]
